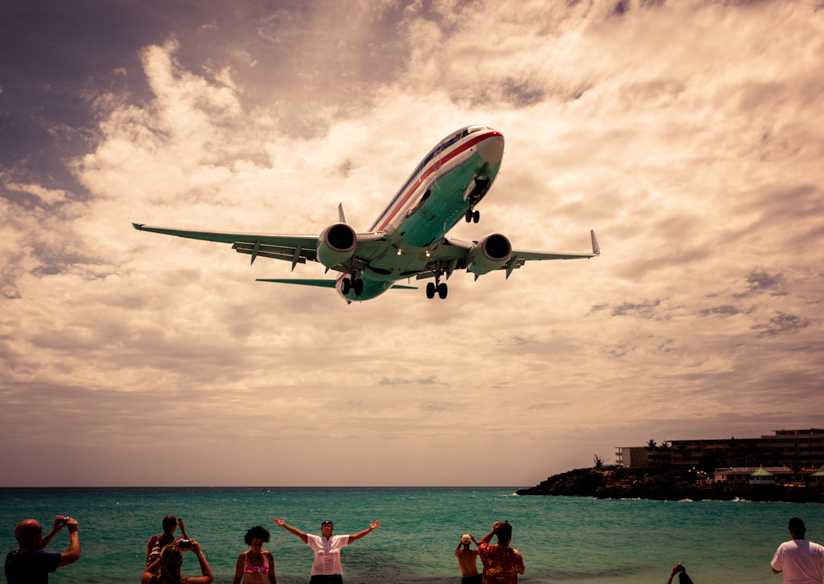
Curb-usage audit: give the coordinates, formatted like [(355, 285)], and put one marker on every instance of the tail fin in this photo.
[(342, 214)]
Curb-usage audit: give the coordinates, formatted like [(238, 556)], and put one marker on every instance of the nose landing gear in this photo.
[(472, 215)]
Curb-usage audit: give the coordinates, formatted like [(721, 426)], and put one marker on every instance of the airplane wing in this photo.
[(452, 254), (296, 249)]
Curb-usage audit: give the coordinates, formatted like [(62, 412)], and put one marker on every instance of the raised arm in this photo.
[(372, 527), (59, 522), (488, 537), (205, 570), (182, 529), (73, 553), (292, 530), (151, 570)]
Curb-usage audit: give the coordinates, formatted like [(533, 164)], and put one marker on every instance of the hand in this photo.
[(180, 523), (280, 522), (71, 524), (59, 523), (195, 547), (375, 525), (495, 526)]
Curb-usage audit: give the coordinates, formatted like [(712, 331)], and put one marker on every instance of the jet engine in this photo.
[(488, 254), (336, 244)]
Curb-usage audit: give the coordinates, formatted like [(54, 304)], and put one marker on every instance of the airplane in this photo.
[(409, 239)]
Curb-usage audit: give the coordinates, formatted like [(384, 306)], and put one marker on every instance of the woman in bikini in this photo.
[(256, 566)]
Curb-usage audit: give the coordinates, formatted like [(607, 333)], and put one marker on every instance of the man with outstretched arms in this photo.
[(30, 564), (502, 564), (327, 568), (798, 560)]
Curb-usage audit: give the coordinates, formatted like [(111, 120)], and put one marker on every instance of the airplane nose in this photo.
[(491, 150)]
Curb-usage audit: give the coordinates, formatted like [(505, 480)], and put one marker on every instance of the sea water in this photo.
[(562, 539)]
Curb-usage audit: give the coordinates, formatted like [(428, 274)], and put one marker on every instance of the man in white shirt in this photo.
[(800, 561), (327, 569)]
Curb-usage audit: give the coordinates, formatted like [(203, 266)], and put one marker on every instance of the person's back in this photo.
[(467, 561), (798, 560)]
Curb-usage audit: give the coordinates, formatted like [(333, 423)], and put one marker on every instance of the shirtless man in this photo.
[(467, 560)]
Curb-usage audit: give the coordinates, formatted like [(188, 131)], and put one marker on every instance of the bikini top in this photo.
[(247, 569)]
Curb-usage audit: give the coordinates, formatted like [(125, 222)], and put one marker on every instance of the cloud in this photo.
[(693, 152)]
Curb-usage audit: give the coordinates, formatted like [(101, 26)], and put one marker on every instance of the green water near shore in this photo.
[(561, 538)]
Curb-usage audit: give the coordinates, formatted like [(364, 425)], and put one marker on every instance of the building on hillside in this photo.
[(794, 449)]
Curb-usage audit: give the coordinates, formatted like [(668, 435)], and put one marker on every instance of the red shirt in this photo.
[(502, 564)]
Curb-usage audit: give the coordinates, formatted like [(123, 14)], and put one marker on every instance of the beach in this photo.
[(573, 539)]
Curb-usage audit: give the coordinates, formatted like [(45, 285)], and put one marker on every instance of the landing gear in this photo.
[(472, 216), (442, 290), (349, 284), (437, 285)]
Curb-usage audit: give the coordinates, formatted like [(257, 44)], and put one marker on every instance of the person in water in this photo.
[(467, 560), (327, 568), (256, 566), (166, 569), (158, 542)]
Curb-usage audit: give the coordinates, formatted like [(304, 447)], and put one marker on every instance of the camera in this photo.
[(185, 544)]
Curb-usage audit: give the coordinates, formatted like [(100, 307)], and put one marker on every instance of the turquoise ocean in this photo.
[(562, 539)]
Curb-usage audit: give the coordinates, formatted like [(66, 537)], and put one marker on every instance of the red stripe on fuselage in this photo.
[(414, 186)]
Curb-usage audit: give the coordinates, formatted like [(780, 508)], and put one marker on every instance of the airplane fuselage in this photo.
[(447, 184)]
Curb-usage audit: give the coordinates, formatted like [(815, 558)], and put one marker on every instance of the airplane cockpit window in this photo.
[(471, 129)]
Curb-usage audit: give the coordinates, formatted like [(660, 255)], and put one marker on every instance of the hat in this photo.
[(466, 538)]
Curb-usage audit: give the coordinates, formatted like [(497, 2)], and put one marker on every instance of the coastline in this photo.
[(663, 485)]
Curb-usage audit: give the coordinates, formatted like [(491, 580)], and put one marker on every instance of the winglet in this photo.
[(596, 249), (342, 214), (137, 226)]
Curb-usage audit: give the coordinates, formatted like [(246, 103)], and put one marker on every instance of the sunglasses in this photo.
[(325, 523)]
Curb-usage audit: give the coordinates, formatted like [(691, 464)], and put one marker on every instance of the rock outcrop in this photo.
[(671, 485)]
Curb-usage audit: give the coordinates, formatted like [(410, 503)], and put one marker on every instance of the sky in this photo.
[(689, 135)]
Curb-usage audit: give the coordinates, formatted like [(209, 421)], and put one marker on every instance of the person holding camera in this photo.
[(683, 578), (158, 542), (31, 563), (256, 566), (166, 569)]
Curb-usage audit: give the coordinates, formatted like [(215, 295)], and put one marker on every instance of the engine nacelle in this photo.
[(488, 254), (336, 244)]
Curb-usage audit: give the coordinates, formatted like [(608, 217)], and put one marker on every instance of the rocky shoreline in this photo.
[(669, 485)]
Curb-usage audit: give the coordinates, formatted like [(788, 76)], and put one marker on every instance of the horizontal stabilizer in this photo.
[(318, 283)]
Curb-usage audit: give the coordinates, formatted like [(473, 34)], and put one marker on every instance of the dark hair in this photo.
[(504, 532), (169, 523), (256, 532), (797, 526)]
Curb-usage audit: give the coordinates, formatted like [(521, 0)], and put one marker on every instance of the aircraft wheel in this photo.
[(442, 291), (468, 216), (358, 287), (430, 290), (476, 216), (346, 286)]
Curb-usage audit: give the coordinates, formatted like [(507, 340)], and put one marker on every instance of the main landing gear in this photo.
[(346, 286), (472, 215), (437, 285), (431, 288)]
